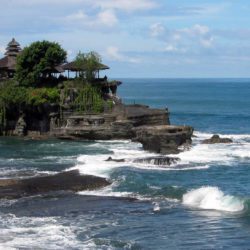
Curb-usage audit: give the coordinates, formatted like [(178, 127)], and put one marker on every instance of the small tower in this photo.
[(8, 63), (13, 48)]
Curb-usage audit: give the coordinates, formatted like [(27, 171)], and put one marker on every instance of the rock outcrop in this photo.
[(217, 139), (20, 129), (115, 160), (158, 161), (163, 139), (139, 123), (66, 181)]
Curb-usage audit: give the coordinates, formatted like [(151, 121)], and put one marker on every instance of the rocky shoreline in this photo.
[(64, 181), (139, 123)]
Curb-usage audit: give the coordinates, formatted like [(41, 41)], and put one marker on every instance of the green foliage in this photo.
[(110, 104), (38, 60), (40, 96), (89, 100), (11, 94), (88, 64), (14, 95)]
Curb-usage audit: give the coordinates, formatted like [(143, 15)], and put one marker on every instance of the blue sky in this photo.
[(140, 38)]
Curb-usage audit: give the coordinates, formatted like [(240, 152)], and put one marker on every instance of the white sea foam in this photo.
[(212, 198), (156, 207), (33, 233), (199, 157), (221, 154)]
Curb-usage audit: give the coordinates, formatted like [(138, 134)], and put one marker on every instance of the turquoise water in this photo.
[(200, 203)]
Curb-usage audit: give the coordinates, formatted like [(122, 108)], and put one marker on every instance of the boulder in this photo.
[(163, 139), (66, 181), (216, 139)]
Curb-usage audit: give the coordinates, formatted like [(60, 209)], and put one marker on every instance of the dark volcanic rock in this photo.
[(136, 122), (67, 181), (217, 139), (159, 160), (115, 160), (164, 139)]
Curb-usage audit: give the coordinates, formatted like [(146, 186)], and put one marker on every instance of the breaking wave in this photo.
[(213, 198)]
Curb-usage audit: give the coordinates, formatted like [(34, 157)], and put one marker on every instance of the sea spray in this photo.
[(213, 198)]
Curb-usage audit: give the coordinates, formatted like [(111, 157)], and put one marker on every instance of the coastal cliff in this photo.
[(150, 127), (140, 123), (38, 100)]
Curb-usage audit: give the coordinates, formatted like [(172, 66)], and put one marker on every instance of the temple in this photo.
[(59, 73), (8, 63)]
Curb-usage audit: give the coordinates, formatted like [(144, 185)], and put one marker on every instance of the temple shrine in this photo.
[(8, 63)]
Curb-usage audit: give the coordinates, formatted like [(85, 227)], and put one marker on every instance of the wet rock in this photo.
[(20, 128), (159, 160), (115, 160), (217, 139), (66, 181), (163, 139)]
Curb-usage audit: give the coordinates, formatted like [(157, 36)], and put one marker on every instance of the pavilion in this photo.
[(8, 63), (108, 87), (72, 66)]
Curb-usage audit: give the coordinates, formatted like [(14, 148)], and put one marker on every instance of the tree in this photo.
[(37, 60), (88, 64)]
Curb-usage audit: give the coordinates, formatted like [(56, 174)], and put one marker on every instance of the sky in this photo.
[(140, 38)]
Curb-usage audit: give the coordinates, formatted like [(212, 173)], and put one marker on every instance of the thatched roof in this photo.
[(13, 48), (14, 43), (56, 69), (8, 63), (73, 67)]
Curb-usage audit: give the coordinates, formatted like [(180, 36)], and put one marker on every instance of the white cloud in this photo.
[(157, 29), (114, 54), (197, 29), (207, 42), (107, 18), (182, 40), (200, 29), (170, 48), (79, 15), (126, 5)]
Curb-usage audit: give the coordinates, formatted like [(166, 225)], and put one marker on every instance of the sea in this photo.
[(200, 202)]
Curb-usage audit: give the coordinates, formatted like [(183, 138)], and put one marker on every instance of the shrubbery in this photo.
[(89, 99), (18, 97), (38, 60)]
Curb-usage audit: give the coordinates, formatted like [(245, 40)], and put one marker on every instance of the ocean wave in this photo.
[(199, 157), (222, 154), (235, 137), (212, 198), (33, 233)]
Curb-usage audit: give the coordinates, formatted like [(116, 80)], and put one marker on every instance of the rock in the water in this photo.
[(163, 139), (217, 139), (66, 181), (159, 160), (115, 160)]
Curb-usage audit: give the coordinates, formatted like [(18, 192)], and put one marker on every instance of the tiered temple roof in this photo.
[(8, 63), (13, 48)]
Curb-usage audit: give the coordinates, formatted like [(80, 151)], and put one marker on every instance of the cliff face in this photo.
[(31, 121), (151, 127)]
